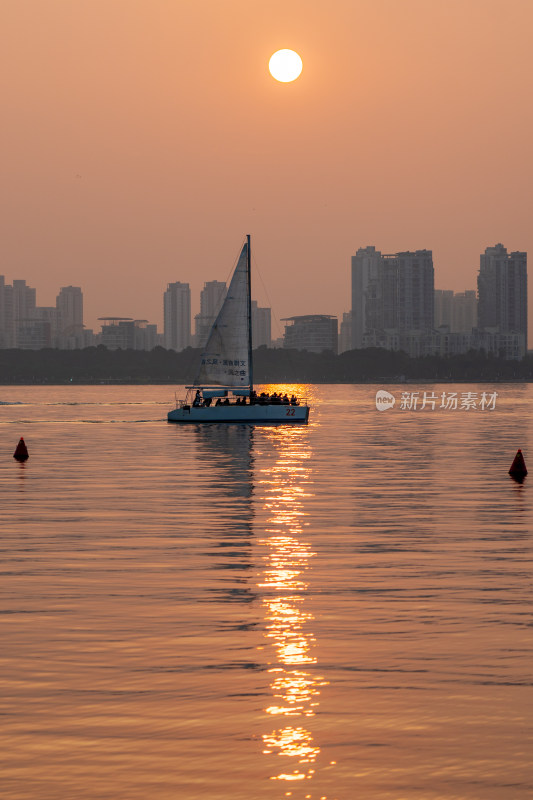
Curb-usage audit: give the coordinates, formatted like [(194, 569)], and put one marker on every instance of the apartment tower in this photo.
[(502, 292), (177, 316)]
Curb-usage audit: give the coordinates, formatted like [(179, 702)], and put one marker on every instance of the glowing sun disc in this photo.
[(285, 65)]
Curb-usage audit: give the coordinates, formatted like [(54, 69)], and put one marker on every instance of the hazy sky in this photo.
[(142, 139)]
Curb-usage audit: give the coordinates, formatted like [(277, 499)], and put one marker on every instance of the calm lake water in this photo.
[(335, 611)]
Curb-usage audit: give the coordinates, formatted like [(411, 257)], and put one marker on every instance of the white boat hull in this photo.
[(252, 414)]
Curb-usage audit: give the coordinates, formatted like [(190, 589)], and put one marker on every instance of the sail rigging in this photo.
[(226, 359)]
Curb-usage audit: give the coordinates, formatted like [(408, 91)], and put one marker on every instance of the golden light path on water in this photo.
[(289, 625)]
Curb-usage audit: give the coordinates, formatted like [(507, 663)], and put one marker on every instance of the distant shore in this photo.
[(98, 365)]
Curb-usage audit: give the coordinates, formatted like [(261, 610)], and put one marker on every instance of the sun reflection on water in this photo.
[(288, 624)]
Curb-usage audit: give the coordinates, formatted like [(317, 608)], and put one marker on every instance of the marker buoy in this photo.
[(518, 467), (21, 452)]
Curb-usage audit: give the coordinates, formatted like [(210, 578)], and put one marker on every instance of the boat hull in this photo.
[(252, 414)]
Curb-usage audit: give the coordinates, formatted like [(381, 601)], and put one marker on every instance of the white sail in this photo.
[(225, 360)]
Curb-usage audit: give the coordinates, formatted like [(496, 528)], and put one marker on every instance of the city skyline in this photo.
[(142, 139), (196, 284), (394, 305), (95, 314), (111, 305)]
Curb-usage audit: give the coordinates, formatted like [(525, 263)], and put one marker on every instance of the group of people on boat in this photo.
[(264, 398), (255, 399)]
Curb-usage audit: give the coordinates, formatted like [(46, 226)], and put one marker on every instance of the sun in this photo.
[(285, 65)]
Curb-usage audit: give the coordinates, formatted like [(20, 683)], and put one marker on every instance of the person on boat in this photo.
[(198, 399), (253, 396), (285, 400)]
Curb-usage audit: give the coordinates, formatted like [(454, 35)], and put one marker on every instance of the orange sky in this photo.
[(142, 139)]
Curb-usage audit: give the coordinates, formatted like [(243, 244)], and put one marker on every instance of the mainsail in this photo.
[(225, 360)]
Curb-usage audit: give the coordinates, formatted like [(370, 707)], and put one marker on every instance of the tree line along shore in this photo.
[(95, 365)]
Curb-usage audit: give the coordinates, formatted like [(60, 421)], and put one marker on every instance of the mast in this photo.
[(249, 270)]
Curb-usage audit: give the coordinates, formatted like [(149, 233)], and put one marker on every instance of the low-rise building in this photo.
[(313, 332), (444, 342), (125, 333)]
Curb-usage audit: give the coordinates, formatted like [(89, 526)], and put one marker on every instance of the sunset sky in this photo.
[(142, 139)]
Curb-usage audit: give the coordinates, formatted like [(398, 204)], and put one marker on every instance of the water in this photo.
[(334, 611)]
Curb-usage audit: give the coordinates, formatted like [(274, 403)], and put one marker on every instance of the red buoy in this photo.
[(518, 467), (21, 452)]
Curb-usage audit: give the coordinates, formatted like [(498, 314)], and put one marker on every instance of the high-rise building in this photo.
[(24, 302), (211, 298), (367, 289), (313, 332), (25, 325), (464, 314), (6, 314), (413, 290), (261, 326), (443, 307), (456, 310), (502, 292), (391, 292), (177, 316), (69, 305)]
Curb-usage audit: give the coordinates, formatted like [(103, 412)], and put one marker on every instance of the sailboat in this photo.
[(224, 390)]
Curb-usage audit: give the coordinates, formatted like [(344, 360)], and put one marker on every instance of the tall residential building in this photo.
[(502, 292), (177, 316), (366, 293), (211, 298), (391, 292), (27, 326), (414, 285), (6, 314), (69, 305), (313, 332), (456, 310), (443, 307), (261, 326), (24, 302), (464, 316)]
